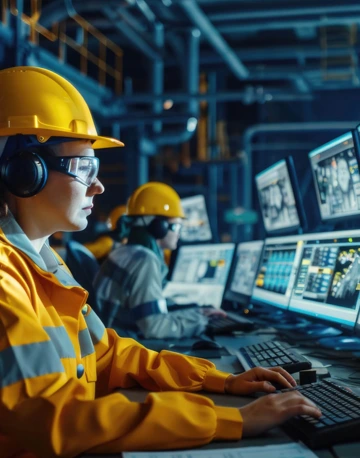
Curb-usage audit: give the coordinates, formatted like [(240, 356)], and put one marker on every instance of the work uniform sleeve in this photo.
[(50, 414), (149, 307)]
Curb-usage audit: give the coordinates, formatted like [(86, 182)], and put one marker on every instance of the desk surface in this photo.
[(343, 365), (273, 437)]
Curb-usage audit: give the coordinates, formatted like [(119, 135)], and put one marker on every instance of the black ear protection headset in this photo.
[(25, 173), (158, 227)]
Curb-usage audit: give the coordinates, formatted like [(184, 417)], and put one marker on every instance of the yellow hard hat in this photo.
[(155, 198), (114, 215), (36, 101)]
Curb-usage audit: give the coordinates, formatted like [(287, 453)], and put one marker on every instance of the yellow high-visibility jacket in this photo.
[(60, 367)]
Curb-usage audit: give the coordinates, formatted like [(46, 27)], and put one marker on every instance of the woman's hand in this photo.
[(258, 379), (273, 410)]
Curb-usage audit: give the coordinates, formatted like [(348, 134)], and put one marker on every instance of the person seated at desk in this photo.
[(102, 246), (59, 366), (129, 285)]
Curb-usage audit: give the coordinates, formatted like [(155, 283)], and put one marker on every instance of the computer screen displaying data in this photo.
[(279, 197), (277, 271), (196, 226), (244, 271), (337, 181), (200, 274), (328, 280)]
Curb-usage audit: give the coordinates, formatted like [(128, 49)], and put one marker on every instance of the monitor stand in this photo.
[(295, 323), (254, 310), (274, 316), (321, 330), (284, 320), (343, 343)]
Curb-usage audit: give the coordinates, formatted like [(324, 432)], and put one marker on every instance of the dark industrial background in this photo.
[(204, 93)]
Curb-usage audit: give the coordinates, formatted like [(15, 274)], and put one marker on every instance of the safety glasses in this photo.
[(83, 168), (175, 227)]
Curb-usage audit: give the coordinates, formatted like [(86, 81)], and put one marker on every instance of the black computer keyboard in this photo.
[(232, 322), (271, 354), (340, 420)]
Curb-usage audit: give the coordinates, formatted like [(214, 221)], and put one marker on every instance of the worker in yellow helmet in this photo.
[(102, 246), (59, 366), (132, 302)]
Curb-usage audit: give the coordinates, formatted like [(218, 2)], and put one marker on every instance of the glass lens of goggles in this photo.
[(83, 168), (175, 227)]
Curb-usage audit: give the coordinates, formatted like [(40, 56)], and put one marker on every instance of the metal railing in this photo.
[(58, 35)]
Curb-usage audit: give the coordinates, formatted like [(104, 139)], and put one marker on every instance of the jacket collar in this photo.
[(46, 259)]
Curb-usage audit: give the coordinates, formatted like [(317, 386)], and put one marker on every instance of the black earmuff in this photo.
[(24, 173), (158, 227)]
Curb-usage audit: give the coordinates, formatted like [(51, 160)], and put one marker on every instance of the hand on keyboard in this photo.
[(257, 379), (275, 409), (212, 312)]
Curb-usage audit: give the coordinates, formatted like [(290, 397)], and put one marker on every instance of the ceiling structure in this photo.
[(299, 46)]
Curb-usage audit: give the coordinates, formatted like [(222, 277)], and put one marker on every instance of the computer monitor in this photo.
[(196, 226), (242, 278), (200, 274), (280, 200), (328, 281), (335, 169), (277, 271)]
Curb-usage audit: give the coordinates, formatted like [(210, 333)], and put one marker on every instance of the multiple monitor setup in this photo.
[(310, 277), (321, 283), (316, 276)]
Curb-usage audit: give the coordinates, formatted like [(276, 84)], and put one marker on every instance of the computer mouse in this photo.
[(205, 345)]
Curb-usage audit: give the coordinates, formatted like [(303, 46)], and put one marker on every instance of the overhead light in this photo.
[(168, 104), (191, 124)]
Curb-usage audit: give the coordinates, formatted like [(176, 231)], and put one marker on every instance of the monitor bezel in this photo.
[(234, 296), (269, 298), (317, 318), (336, 141), (302, 226)]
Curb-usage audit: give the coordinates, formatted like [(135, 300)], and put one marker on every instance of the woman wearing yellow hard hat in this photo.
[(59, 366)]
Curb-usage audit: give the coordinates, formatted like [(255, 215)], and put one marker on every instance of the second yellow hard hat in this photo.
[(155, 198)]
